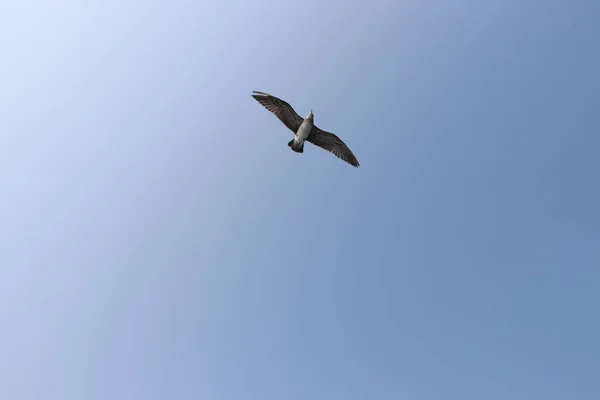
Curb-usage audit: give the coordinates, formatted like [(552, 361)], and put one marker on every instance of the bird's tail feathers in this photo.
[(297, 147)]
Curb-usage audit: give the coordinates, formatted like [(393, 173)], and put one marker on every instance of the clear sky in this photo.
[(159, 240)]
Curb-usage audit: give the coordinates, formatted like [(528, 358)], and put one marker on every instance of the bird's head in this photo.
[(310, 116)]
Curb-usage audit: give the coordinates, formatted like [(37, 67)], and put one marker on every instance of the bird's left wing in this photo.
[(333, 144), (281, 109)]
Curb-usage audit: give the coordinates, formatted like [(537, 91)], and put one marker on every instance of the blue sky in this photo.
[(160, 240)]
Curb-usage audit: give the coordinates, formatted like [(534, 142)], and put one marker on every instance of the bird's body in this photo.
[(304, 129), (297, 144)]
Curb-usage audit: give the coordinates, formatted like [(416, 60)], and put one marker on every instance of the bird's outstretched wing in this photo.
[(333, 144), (281, 109)]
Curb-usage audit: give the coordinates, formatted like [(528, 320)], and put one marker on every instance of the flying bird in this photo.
[(304, 129)]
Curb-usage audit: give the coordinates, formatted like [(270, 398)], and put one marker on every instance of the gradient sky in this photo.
[(159, 239)]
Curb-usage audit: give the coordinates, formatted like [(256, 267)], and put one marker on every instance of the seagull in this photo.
[(304, 129)]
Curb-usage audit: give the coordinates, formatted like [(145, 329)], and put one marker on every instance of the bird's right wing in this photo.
[(281, 109)]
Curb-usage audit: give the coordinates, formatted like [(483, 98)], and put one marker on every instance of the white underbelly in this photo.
[(304, 131)]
